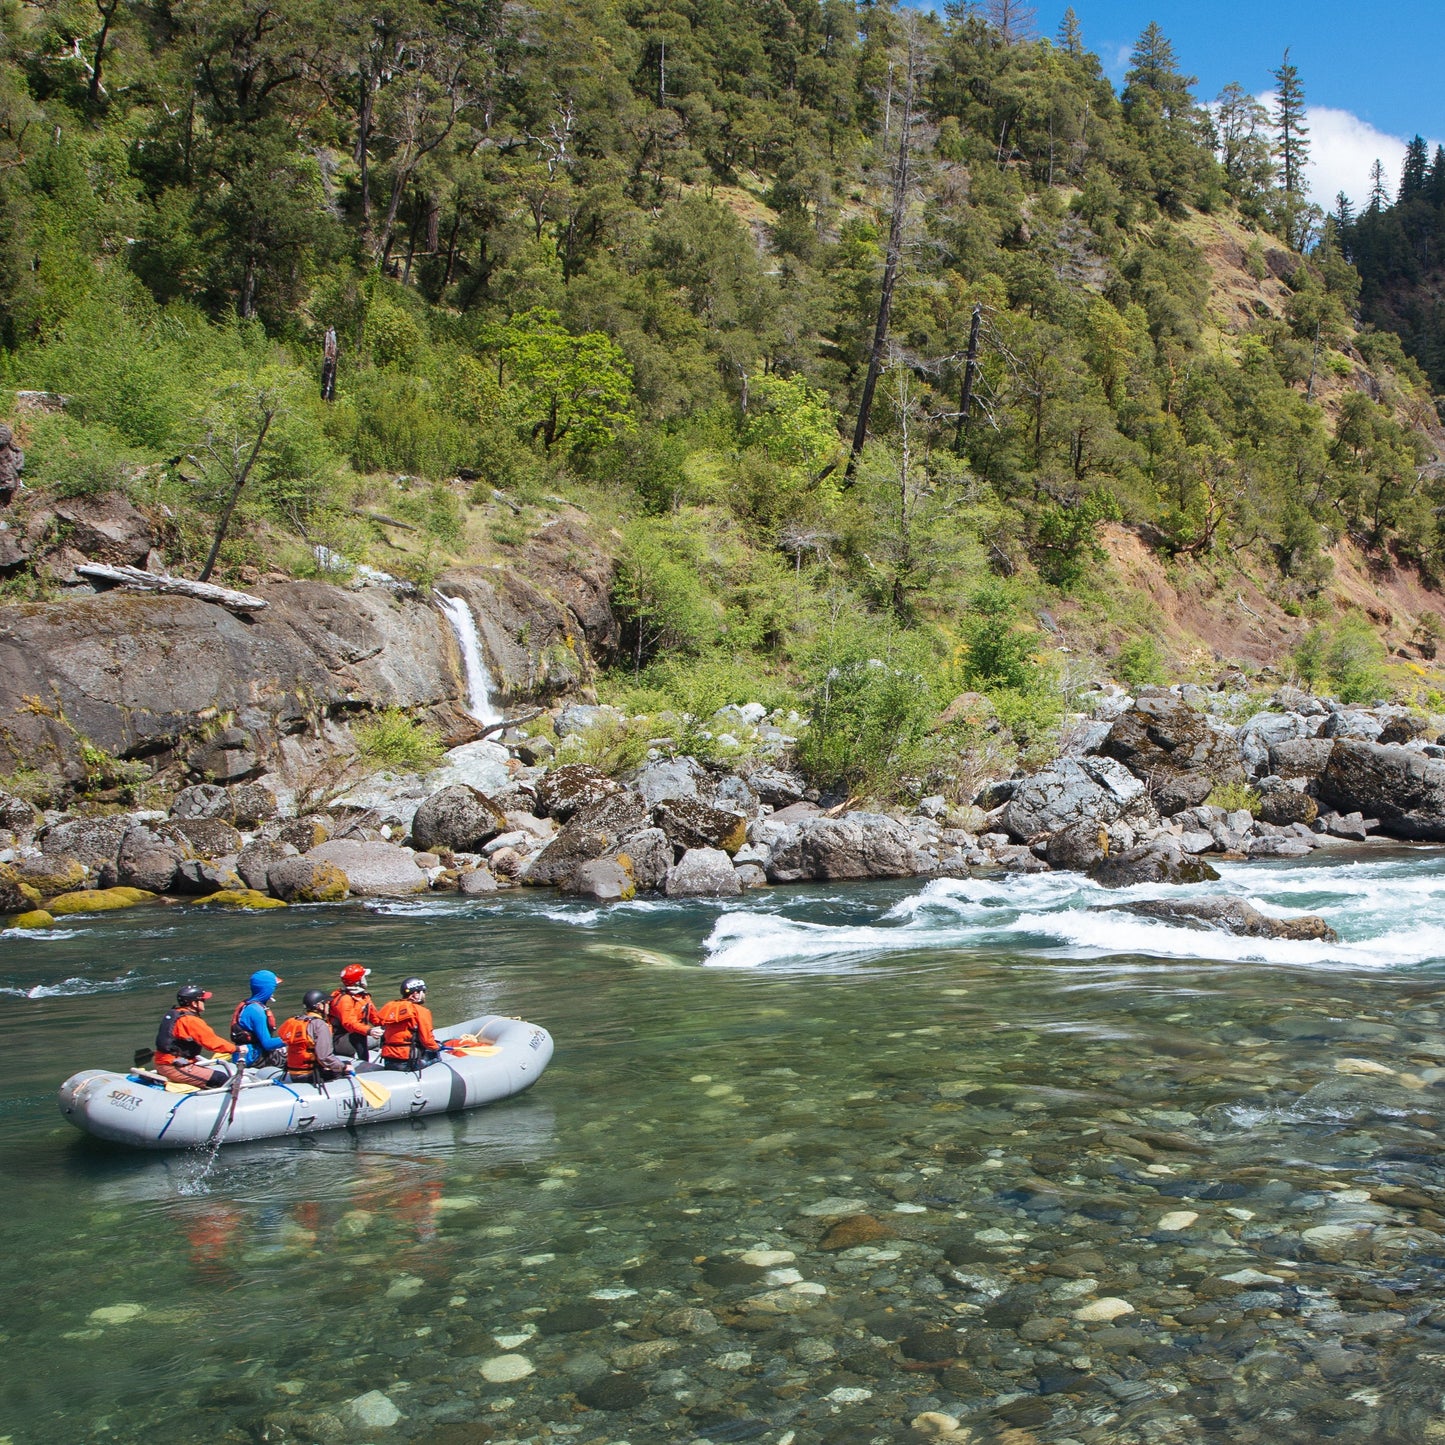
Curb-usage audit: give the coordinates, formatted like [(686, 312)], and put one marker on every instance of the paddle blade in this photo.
[(374, 1094)]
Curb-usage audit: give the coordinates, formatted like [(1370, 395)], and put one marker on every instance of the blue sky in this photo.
[(1372, 74)]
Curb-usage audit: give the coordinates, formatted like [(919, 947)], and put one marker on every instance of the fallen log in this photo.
[(135, 580)]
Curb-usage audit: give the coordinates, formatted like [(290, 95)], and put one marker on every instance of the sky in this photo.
[(1371, 74)]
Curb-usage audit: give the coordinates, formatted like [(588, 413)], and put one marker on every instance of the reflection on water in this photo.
[(908, 1152)]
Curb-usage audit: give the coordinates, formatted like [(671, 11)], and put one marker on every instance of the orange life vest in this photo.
[(352, 1013), (300, 1046), (406, 1026)]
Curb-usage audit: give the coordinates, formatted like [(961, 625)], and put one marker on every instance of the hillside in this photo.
[(701, 282)]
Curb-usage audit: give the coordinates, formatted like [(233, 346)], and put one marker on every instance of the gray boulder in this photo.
[(564, 791), (651, 856), (858, 845), (476, 883), (703, 873), (750, 875), (577, 717), (255, 860), (245, 804), (776, 787), (1234, 915), (458, 818), (670, 778), (205, 837), (733, 793), (690, 823), (1073, 791), (1403, 788), (146, 860), (307, 880), (1283, 805), (16, 815), (1300, 758), (373, 870), (1159, 861), (604, 879), (1402, 728), (1174, 749), (1273, 845), (95, 842), (593, 832), (199, 878), (1264, 731), (1352, 723)]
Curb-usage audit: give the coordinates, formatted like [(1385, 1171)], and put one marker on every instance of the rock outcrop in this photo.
[(858, 845), (1404, 789), (1096, 792)]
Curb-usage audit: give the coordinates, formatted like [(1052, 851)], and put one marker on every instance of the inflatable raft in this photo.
[(507, 1057)]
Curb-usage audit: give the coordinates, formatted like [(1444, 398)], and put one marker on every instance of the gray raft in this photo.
[(125, 1109)]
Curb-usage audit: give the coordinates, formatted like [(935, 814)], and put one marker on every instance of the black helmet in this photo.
[(191, 993), (313, 998), (413, 985)]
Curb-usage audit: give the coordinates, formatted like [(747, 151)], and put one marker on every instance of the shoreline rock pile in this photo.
[(1125, 803)]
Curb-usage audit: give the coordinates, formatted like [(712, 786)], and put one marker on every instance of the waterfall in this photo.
[(474, 665)]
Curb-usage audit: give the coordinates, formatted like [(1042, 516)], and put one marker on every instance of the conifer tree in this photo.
[(1379, 197), (1414, 170), (1292, 151), (1071, 35)]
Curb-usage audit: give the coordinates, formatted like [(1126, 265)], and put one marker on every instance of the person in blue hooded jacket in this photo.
[(253, 1025)]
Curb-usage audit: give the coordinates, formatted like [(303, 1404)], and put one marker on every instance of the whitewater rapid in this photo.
[(1388, 912)]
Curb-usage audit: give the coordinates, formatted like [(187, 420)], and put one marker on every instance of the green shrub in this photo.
[(1234, 796), (394, 741), (1139, 662), (1349, 660), (613, 746), (999, 653)]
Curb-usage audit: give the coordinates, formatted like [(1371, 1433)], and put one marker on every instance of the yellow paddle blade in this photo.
[(174, 1088), (475, 1051), (374, 1094)]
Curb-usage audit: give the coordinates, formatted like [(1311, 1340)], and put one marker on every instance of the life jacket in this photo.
[(401, 1036), (300, 1046), (363, 1003), (242, 1035), (168, 1046)]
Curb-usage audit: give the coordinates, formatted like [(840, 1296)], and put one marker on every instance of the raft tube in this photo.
[(125, 1109)]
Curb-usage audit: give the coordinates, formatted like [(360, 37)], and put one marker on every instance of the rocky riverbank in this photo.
[(1127, 802)]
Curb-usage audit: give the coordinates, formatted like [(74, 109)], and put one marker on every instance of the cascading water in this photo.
[(474, 665)]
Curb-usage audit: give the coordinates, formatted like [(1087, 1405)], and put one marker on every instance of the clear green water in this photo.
[(1014, 1107)]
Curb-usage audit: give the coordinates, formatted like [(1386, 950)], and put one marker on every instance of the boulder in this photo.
[(578, 717), (1073, 791), (307, 880), (507, 863), (733, 793), (1282, 806), (1404, 728), (147, 861), (776, 787), (670, 778), (1300, 758), (242, 898), (480, 765), (1403, 788), (16, 815), (703, 873), (594, 832), (198, 878), (1352, 723), (858, 845), (573, 786), (1077, 847), (1275, 846), (1234, 915), (50, 873), (1264, 731), (94, 841), (476, 883), (650, 856), (459, 818), (1159, 861), (606, 880), (303, 834), (373, 870), (690, 823), (15, 895), (245, 805), (205, 837), (97, 900), (256, 860), (1163, 741)]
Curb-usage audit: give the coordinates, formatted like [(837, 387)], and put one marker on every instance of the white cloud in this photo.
[(1343, 148)]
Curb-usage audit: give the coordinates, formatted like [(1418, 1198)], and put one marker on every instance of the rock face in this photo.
[(1074, 791), (1174, 749), (459, 818), (573, 786), (1405, 790), (650, 855), (1160, 861), (307, 880), (860, 845), (373, 870), (703, 873), (1235, 915)]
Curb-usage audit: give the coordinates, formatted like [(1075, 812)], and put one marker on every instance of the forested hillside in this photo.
[(857, 331)]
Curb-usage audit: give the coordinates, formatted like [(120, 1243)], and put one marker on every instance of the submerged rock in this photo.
[(98, 900), (1234, 915), (242, 898)]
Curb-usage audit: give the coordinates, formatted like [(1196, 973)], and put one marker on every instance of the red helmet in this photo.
[(354, 975)]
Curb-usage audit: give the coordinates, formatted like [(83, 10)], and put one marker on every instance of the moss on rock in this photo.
[(97, 900)]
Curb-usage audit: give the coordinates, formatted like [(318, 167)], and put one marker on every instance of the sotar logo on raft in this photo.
[(122, 1100)]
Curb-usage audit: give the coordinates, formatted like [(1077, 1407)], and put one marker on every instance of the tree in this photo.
[(1414, 170), (1292, 151), (1071, 35), (1244, 148), (573, 387), (1379, 196)]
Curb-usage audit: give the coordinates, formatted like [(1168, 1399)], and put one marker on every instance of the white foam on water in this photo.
[(41, 933), (70, 987), (1388, 913)]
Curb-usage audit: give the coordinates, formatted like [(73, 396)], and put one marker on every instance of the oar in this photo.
[(224, 1115), (374, 1094)]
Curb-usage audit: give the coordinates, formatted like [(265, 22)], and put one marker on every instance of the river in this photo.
[(807, 1167)]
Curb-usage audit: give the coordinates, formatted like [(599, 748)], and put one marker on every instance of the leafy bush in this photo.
[(613, 746), (999, 653), (1234, 796), (394, 741), (1348, 660), (1139, 662)]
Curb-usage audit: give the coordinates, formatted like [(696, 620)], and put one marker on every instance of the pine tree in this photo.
[(1292, 151), (1071, 35), (1413, 172), (1379, 197)]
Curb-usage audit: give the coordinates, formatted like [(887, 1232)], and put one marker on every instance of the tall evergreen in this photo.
[(1292, 152)]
